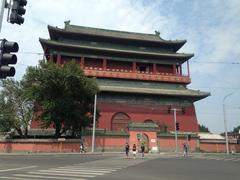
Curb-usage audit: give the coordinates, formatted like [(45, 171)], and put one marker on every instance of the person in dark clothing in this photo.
[(127, 149), (142, 150), (185, 150), (134, 150)]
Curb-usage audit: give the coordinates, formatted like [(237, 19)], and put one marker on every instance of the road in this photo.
[(110, 166)]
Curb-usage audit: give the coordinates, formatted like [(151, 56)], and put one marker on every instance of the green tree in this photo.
[(64, 94), (236, 129), (16, 108), (203, 128)]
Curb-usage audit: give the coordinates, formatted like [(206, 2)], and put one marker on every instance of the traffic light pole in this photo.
[(94, 123), (2, 6)]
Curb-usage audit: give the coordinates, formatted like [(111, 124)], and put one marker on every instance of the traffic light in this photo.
[(17, 10), (6, 58), (177, 126)]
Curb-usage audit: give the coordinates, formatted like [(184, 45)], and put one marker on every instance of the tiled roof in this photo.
[(65, 45), (169, 92), (112, 34)]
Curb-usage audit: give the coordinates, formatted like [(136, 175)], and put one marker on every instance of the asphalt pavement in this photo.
[(108, 166)]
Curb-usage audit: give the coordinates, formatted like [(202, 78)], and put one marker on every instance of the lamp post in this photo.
[(225, 122), (94, 123), (175, 122)]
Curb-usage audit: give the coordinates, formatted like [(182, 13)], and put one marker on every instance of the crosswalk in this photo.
[(92, 169), (82, 171), (205, 157)]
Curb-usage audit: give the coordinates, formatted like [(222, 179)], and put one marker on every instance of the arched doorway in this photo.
[(148, 121), (120, 121), (144, 140)]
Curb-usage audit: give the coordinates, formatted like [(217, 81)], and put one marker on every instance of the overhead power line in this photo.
[(206, 62), (216, 62)]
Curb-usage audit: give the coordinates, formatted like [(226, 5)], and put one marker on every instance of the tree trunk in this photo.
[(26, 132), (19, 132), (57, 131)]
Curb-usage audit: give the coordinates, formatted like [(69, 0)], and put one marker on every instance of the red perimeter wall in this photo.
[(106, 143)]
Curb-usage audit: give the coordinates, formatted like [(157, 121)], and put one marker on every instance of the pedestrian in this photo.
[(127, 149), (185, 150), (134, 150), (82, 149), (142, 150)]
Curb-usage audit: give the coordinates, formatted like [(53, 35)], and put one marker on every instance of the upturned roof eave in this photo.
[(74, 46), (56, 32), (168, 92)]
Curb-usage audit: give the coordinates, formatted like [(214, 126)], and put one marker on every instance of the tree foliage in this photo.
[(203, 128), (16, 108), (236, 129), (63, 93)]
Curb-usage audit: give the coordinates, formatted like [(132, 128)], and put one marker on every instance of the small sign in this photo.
[(61, 139), (153, 140)]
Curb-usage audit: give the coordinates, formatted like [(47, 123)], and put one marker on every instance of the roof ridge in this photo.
[(113, 30)]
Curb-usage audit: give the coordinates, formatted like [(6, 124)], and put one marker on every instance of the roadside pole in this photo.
[(2, 6), (175, 121), (94, 122)]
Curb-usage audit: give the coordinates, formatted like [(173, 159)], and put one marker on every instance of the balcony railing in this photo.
[(138, 75)]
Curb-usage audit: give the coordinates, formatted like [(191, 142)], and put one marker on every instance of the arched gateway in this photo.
[(120, 121)]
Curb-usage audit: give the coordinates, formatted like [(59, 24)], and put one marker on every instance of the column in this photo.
[(104, 64), (174, 69), (58, 59), (134, 67), (154, 68), (180, 69), (51, 57), (188, 68), (82, 62)]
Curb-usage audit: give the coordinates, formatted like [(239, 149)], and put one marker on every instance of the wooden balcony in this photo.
[(126, 74)]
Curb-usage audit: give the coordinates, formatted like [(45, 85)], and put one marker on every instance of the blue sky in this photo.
[(211, 28)]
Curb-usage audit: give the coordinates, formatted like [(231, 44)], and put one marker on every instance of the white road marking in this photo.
[(15, 169), (82, 170), (229, 159), (14, 178), (92, 168), (236, 160), (47, 177), (71, 172), (61, 174)]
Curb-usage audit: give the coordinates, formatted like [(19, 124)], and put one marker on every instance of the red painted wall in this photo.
[(169, 144), (151, 136), (140, 113), (219, 147), (109, 143)]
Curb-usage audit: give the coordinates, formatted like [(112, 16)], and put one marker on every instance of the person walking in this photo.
[(134, 150), (82, 149), (127, 149), (185, 150), (142, 150)]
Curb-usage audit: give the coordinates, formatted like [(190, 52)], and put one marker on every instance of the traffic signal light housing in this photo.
[(17, 11), (177, 126), (6, 58)]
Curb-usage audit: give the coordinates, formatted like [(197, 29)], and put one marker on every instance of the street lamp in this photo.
[(225, 121), (94, 122)]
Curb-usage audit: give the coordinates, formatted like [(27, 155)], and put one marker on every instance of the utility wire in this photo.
[(204, 62), (214, 62)]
